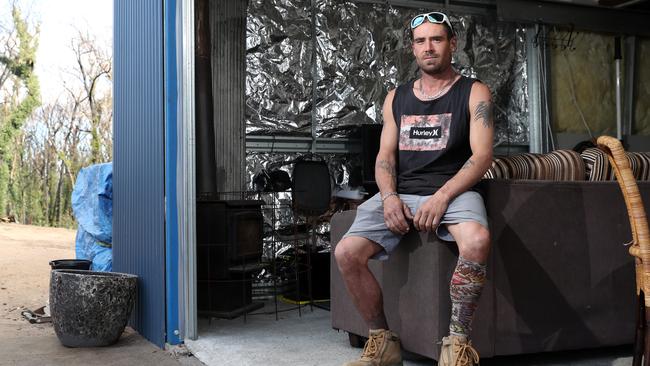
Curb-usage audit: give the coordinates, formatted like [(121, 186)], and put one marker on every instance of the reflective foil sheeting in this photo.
[(352, 54), (363, 50), (361, 53), (278, 67), (515, 102), (495, 53)]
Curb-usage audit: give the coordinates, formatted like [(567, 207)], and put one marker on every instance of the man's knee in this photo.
[(476, 244), (350, 254)]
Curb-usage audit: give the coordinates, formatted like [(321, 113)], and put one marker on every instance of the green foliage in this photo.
[(43, 147), (4, 179), (21, 66)]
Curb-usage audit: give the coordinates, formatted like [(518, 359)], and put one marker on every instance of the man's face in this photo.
[(432, 48)]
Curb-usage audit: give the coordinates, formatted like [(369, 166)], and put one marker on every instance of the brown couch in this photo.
[(559, 276)]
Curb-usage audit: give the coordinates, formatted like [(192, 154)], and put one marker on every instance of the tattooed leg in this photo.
[(465, 289)]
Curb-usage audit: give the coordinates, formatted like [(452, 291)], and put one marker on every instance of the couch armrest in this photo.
[(563, 278)]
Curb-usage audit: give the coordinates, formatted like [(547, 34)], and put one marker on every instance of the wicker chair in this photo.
[(640, 247)]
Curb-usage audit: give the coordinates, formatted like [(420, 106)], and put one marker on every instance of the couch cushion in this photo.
[(640, 165), (518, 166), (560, 165), (597, 165)]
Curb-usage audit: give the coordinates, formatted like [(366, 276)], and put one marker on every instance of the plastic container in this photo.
[(83, 264)]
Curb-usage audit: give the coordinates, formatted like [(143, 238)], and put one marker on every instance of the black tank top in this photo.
[(433, 137)]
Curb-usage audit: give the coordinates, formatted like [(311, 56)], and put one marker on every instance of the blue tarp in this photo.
[(92, 204)]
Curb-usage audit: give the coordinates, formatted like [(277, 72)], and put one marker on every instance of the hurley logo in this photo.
[(425, 132)]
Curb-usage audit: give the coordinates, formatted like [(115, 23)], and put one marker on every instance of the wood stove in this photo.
[(229, 249)]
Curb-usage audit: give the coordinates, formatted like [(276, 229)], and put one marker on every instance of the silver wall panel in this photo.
[(138, 178)]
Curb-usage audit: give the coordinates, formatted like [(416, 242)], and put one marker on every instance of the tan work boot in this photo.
[(382, 349), (457, 351)]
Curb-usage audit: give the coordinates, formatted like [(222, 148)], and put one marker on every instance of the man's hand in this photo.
[(428, 216), (396, 213)]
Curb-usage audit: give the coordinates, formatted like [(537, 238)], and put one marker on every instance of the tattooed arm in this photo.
[(481, 132), (395, 211)]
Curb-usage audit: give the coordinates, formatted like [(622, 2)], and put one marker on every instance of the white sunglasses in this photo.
[(433, 17)]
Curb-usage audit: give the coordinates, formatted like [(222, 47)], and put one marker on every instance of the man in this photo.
[(436, 144)]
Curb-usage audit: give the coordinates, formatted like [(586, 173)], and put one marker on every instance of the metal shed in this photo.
[(154, 149)]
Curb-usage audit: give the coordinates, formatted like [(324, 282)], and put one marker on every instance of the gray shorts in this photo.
[(369, 222)]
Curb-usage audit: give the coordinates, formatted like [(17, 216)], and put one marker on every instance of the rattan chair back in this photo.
[(640, 247)]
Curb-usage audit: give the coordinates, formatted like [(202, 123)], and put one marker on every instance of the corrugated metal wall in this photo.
[(138, 178), (228, 20)]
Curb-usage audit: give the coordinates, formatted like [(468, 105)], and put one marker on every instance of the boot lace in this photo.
[(372, 345), (467, 355)]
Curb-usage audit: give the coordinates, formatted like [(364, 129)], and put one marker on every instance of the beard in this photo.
[(434, 66), (434, 69)]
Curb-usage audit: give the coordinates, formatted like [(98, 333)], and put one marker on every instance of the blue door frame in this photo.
[(171, 158)]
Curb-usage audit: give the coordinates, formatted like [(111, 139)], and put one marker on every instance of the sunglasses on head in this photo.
[(433, 17)]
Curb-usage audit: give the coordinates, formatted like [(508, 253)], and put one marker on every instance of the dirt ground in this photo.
[(25, 252)]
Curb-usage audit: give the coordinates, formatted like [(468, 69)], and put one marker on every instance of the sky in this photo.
[(59, 21)]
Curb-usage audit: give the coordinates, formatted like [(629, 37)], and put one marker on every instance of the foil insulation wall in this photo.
[(330, 63), (279, 48)]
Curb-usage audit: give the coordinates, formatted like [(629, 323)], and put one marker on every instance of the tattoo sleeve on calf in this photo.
[(388, 167), (465, 290), (484, 112)]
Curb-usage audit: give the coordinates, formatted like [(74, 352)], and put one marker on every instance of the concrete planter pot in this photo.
[(90, 309)]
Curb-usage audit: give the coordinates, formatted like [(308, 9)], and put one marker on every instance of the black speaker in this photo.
[(311, 187)]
